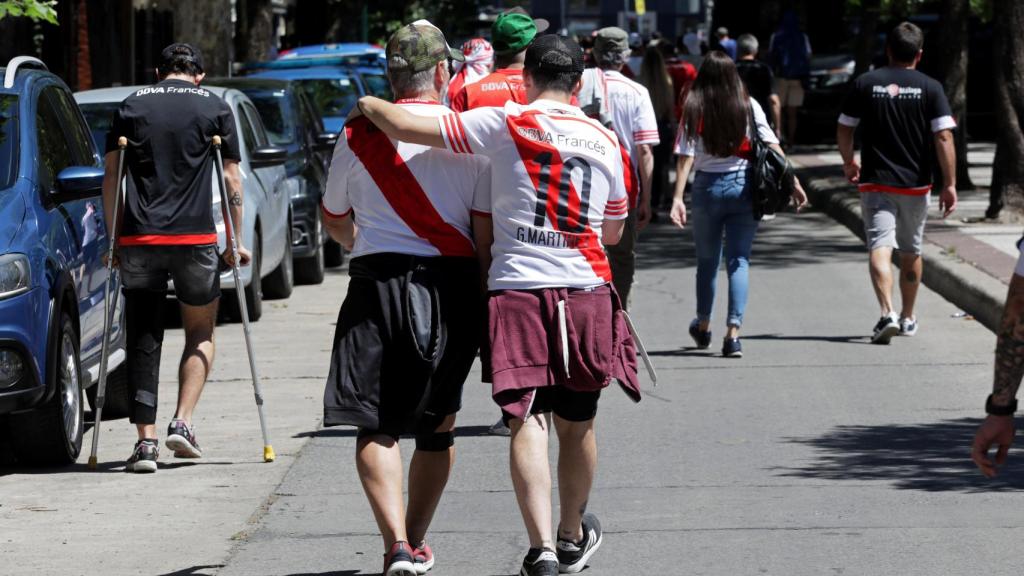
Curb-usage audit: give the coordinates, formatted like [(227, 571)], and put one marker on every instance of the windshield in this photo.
[(275, 109), (8, 140), (100, 117), (332, 97), (378, 85)]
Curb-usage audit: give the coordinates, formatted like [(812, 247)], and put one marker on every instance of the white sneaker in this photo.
[(886, 328), (908, 326)]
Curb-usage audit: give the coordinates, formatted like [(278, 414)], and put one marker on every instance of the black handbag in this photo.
[(773, 181)]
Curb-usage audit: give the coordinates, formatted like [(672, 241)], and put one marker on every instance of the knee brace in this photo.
[(144, 335), (435, 441)]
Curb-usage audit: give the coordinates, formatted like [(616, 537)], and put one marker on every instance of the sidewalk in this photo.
[(968, 260)]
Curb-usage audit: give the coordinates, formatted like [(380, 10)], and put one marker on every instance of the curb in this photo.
[(969, 288)]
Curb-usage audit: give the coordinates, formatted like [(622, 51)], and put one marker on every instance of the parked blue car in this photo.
[(52, 278)]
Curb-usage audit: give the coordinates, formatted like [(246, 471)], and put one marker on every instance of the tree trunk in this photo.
[(1008, 169), (83, 63), (951, 48), (206, 24), (254, 31), (865, 44)]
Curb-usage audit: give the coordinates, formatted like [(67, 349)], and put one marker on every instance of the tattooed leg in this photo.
[(1010, 346), (911, 269)]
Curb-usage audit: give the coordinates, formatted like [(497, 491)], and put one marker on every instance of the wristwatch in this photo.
[(994, 410)]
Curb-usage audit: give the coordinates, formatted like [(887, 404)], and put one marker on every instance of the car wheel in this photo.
[(280, 282), (334, 255), (310, 270), (52, 433), (118, 401)]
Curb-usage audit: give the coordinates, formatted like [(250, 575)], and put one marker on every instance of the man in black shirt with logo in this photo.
[(906, 127), (758, 78), (167, 231)]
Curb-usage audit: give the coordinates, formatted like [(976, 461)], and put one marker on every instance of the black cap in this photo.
[(554, 53), (181, 52)]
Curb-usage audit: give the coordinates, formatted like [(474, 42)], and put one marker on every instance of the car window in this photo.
[(8, 140), (248, 135), (311, 119), (332, 97), (100, 118), (277, 113), (78, 138), (377, 85), (54, 152), (257, 125)]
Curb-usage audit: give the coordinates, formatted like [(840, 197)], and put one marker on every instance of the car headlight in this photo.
[(12, 366), (15, 275)]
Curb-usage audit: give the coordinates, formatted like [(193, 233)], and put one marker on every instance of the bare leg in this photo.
[(531, 477), (577, 460), (428, 475), (197, 359), (379, 463), (146, 431), (911, 268), (881, 278), (791, 124)]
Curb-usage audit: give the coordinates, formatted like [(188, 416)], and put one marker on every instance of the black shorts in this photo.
[(408, 333), (194, 269), (567, 404)]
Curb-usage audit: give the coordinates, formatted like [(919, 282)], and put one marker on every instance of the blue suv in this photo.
[(52, 238)]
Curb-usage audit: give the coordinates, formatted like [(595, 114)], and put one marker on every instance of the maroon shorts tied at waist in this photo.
[(525, 344)]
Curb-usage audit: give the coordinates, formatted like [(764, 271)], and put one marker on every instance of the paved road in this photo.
[(816, 454)]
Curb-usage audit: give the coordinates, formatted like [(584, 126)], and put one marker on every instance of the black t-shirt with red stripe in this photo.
[(169, 127)]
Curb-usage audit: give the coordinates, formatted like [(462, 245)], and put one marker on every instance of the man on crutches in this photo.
[(167, 231)]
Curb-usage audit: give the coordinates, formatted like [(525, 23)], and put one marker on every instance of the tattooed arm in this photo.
[(1008, 372), (233, 180)]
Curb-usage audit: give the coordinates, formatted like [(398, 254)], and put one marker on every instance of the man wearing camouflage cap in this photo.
[(408, 331)]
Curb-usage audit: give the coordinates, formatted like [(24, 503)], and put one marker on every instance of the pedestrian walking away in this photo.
[(758, 79), (409, 328), (511, 33), (714, 141), (625, 107), (654, 76), (906, 127), (790, 52), (998, 427), (167, 232), (559, 194)]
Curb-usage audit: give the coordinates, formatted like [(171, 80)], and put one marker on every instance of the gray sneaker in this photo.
[(143, 458)]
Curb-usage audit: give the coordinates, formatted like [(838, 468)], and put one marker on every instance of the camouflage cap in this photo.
[(419, 46)]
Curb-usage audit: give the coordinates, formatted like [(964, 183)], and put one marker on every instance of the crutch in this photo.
[(229, 231), (101, 386)]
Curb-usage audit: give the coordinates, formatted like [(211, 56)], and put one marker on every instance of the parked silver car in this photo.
[(266, 229)]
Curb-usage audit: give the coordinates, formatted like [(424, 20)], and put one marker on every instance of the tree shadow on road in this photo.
[(332, 573), (857, 339), (195, 570), (933, 457)]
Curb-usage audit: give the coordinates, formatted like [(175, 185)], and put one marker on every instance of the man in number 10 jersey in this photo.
[(556, 332)]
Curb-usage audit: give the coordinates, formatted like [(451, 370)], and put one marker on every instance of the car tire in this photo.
[(334, 255), (310, 270), (280, 282), (118, 401), (253, 292), (51, 435)]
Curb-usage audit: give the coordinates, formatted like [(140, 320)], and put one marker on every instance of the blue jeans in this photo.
[(720, 203)]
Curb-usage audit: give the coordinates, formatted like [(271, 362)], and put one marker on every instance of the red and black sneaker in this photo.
[(423, 558), (398, 561), (181, 438)]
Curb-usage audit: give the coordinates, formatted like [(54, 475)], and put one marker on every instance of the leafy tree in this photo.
[(37, 10)]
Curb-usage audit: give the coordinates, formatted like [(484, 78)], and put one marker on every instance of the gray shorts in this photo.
[(194, 269), (894, 220)]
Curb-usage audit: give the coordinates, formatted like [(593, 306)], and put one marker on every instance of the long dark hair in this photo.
[(717, 106)]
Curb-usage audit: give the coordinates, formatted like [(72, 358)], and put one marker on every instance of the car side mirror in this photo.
[(325, 142), (266, 156), (78, 183)]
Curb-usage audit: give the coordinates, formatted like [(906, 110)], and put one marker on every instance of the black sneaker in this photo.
[(702, 338), (398, 561), (731, 348), (885, 329), (573, 556), (540, 562), (143, 458), (181, 438)]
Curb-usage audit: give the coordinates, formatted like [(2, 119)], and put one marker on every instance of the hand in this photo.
[(678, 213), (994, 430), (117, 261), (852, 171), (643, 211), (799, 195), (947, 200), (229, 256)]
